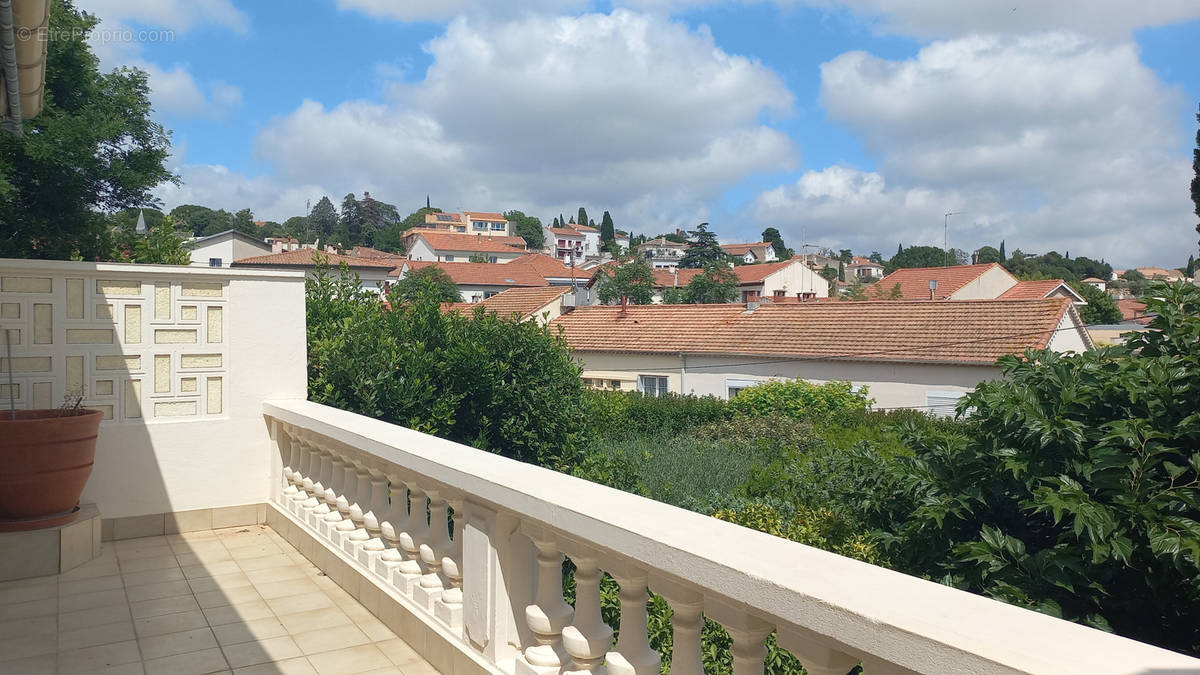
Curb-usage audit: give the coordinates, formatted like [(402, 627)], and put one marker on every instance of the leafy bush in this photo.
[(1077, 492), (617, 413), (498, 385), (829, 402)]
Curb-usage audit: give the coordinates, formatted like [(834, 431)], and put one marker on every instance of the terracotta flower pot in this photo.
[(45, 459)]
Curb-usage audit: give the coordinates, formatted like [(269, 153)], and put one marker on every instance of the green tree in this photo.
[(348, 232), (1100, 307), (675, 296), (841, 272), (899, 249), (391, 237), (875, 257), (429, 281), (845, 255), (1137, 282), (159, 244), (772, 237), (716, 284), (608, 234), (1196, 175), (582, 218), (1190, 268), (324, 220), (919, 256), (299, 227), (1074, 489), (632, 278), (94, 149), (829, 274), (528, 228), (500, 385), (200, 219), (856, 291), (704, 249), (243, 221), (1002, 256), (987, 254)]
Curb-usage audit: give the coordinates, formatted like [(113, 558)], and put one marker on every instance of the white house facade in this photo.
[(221, 249)]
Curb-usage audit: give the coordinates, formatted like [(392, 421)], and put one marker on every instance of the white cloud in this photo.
[(443, 10), (1050, 141), (126, 26), (951, 18), (179, 15), (623, 112)]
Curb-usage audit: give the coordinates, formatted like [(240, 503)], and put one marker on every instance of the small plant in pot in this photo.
[(45, 459)]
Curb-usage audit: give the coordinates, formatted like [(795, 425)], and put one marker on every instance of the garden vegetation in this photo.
[(1071, 487)]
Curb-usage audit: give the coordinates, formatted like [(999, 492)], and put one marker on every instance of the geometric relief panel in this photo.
[(140, 349)]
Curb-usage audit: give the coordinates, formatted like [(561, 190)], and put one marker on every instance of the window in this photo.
[(779, 293), (614, 384), (214, 262), (479, 225), (499, 227), (942, 403), (652, 385), (448, 258), (493, 259), (734, 386), (460, 228)]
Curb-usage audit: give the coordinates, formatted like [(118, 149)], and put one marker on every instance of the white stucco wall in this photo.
[(986, 286), (228, 249), (1067, 338), (181, 368), (793, 279), (892, 385)]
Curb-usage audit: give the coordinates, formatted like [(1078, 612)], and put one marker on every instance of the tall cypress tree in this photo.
[(900, 248), (1196, 172), (582, 218), (1003, 257), (608, 232)]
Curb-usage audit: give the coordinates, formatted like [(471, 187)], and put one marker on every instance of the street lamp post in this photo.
[(946, 234)]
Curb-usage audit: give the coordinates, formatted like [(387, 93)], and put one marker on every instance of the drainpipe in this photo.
[(682, 374), (8, 61)]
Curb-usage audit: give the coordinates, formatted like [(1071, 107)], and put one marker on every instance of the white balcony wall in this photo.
[(178, 358), (352, 494)]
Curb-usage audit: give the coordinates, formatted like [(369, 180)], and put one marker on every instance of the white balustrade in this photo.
[(588, 638), (379, 496), (549, 614)]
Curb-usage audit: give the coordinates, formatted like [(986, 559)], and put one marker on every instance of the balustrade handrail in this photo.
[(840, 603)]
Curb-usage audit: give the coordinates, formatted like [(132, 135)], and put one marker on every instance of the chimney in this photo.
[(624, 305), (932, 289), (752, 300)]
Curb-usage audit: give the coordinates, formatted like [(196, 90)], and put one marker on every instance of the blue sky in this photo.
[(856, 122)]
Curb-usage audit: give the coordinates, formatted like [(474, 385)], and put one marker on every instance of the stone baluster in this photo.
[(432, 551), (327, 514), (316, 499), (373, 520), (687, 620), (588, 638), (448, 609), (289, 451), (549, 614), (748, 633), (407, 574), (392, 527), (816, 657), (633, 655), (358, 489), (303, 476)]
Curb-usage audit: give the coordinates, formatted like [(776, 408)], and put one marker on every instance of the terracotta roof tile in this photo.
[(303, 257), (1032, 290), (1131, 309), (523, 302), (440, 240), (552, 268), (746, 274), (859, 261), (959, 331), (914, 281), (446, 218), (485, 215), (565, 231), (742, 249), (586, 228), (482, 274)]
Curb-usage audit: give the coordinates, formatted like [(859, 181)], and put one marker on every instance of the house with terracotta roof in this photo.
[(487, 224), (909, 354), (987, 281), (372, 273), (757, 252), (556, 272), (221, 249), (532, 303), (787, 280), (478, 281), (662, 253), (441, 246), (1096, 282), (863, 269), (591, 240), (565, 243), (446, 221)]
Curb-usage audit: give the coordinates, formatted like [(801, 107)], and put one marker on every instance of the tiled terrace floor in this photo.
[(238, 600)]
